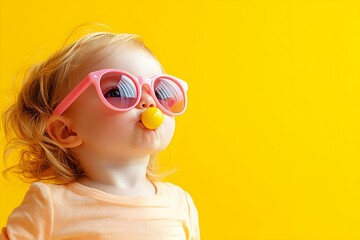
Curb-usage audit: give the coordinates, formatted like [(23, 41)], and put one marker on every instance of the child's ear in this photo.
[(60, 130)]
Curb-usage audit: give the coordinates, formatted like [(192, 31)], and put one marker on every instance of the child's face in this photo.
[(108, 133)]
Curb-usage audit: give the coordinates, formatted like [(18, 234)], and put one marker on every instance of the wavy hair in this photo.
[(41, 158)]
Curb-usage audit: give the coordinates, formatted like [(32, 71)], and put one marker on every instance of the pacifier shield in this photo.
[(152, 118)]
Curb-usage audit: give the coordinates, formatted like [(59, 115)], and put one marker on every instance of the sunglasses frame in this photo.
[(94, 78)]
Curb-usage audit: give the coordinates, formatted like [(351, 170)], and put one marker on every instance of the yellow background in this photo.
[(270, 145)]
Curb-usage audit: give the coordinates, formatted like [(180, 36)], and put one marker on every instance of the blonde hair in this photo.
[(41, 158)]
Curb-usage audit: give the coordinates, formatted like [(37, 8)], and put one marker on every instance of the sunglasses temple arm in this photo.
[(183, 84), (72, 96)]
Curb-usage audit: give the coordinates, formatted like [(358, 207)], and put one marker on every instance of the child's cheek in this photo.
[(167, 130)]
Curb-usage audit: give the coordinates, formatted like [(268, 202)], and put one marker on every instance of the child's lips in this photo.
[(140, 124)]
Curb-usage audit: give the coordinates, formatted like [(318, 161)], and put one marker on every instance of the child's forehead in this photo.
[(136, 61)]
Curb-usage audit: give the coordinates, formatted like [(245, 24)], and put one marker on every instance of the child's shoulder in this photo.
[(171, 188), (41, 188), (45, 190)]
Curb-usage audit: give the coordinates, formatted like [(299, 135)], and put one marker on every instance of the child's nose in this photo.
[(146, 99)]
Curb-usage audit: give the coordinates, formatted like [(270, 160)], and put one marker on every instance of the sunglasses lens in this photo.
[(118, 90), (169, 94)]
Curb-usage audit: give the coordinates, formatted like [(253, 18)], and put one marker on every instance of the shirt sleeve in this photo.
[(33, 219), (194, 219)]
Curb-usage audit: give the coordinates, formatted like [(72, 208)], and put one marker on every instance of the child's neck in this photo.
[(125, 179)]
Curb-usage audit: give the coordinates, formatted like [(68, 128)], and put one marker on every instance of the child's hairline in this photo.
[(102, 48)]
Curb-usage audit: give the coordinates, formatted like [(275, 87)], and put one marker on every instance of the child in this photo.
[(88, 122)]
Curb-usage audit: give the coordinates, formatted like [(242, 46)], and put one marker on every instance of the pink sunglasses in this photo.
[(121, 91)]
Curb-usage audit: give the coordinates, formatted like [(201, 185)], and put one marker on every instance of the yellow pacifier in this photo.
[(152, 118)]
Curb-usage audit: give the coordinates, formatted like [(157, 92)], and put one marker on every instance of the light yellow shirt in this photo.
[(74, 211)]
